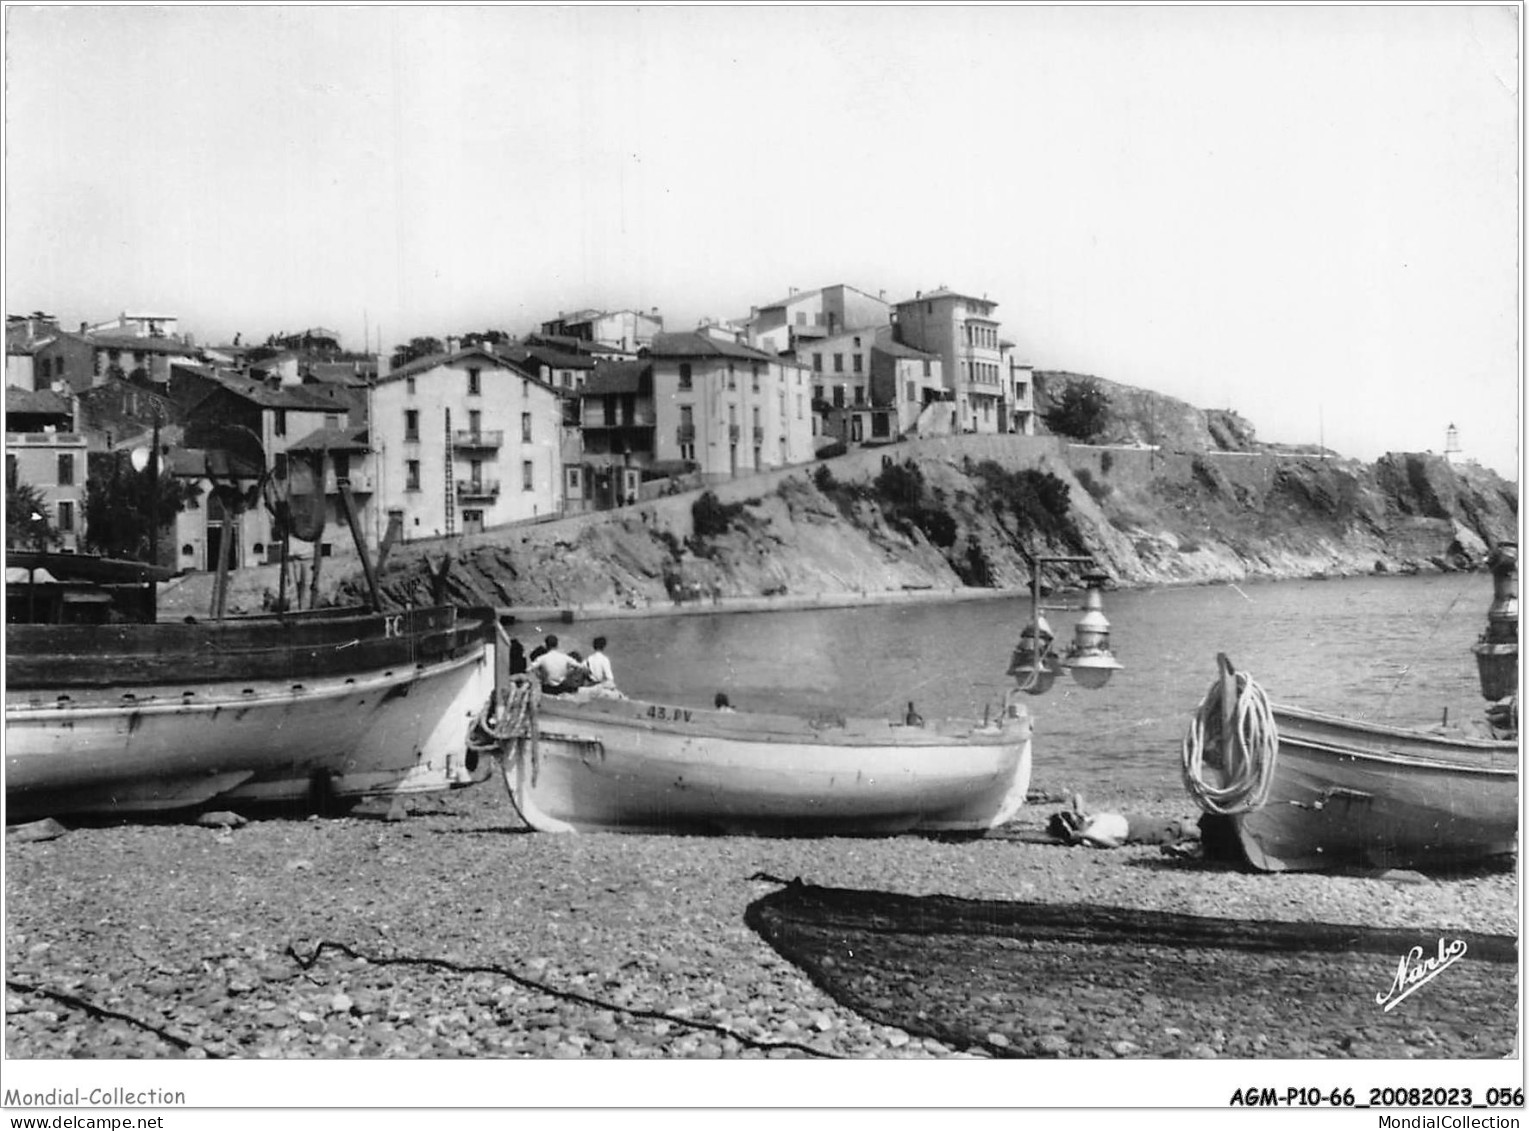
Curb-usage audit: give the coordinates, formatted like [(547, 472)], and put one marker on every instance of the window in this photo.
[(732, 376), (65, 517), (838, 363), (66, 469), (474, 422), (331, 420), (859, 394), (754, 375), (409, 385), (927, 372), (756, 416), (912, 394), (527, 476), (279, 425), (341, 467), (838, 396), (856, 363), (411, 475), (685, 380), (798, 406), (525, 427), (801, 318), (58, 367), (411, 425), (574, 480), (474, 381), (817, 363)]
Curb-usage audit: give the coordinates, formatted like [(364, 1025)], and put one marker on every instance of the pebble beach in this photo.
[(444, 928)]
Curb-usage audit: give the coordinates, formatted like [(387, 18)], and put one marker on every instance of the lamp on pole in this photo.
[(1035, 665)]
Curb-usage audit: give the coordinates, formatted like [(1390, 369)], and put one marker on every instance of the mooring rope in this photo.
[(509, 713), (1249, 768)]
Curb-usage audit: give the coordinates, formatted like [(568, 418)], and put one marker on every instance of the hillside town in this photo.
[(469, 432)]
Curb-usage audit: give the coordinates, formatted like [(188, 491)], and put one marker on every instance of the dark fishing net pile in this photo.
[(1030, 979)]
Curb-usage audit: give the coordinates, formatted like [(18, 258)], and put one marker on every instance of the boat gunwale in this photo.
[(271, 693)]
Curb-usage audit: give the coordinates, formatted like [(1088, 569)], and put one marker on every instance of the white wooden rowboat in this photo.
[(633, 766)]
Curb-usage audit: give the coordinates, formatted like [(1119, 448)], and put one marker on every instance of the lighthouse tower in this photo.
[(1452, 444)]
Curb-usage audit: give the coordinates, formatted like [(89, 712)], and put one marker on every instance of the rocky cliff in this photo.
[(1167, 493), (940, 518)]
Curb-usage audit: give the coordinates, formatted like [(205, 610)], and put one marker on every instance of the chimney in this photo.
[(453, 344)]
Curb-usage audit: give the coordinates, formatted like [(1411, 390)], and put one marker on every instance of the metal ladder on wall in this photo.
[(451, 483)]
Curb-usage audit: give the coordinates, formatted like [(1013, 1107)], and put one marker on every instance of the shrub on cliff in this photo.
[(1039, 502), (1081, 411), (712, 517), (901, 490)]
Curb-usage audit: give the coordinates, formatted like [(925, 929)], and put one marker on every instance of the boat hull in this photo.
[(1349, 794), (633, 766), (327, 729)]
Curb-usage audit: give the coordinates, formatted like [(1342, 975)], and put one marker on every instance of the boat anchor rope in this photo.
[(1243, 729)]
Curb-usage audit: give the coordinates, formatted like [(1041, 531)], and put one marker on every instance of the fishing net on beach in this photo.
[(1031, 979)]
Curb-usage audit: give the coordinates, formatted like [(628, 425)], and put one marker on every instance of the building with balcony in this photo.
[(463, 441), (962, 331), (617, 421), (790, 324), (726, 409), (1019, 393), (43, 450)]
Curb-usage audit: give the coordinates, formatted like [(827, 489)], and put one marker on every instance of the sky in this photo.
[(1308, 214)]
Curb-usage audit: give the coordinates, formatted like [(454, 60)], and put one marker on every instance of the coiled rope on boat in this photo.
[(509, 713), (1248, 764)]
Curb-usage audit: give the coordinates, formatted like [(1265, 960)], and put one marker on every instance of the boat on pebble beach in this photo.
[(1296, 790), (625, 765), (138, 716)]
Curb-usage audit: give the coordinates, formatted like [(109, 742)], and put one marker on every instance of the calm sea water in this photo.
[(1395, 649)]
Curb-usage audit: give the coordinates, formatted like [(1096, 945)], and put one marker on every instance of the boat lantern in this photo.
[(1089, 659), (1034, 665)]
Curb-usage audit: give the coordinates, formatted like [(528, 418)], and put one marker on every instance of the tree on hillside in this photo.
[(116, 509), (1082, 410), (485, 338), (27, 524), (416, 349)]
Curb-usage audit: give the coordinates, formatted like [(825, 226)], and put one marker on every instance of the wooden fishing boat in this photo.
[(126, 718), (1295, 790), (624, 765)]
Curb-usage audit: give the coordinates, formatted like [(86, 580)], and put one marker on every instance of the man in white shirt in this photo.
[(553, 668), (599, 667)]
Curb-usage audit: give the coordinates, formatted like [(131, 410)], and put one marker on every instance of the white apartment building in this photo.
[(465, 441), (726, 408), (963, 332)]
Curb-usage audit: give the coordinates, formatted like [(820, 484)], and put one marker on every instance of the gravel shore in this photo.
[(456, 932)]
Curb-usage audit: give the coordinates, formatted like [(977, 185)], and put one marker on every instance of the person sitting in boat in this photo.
[(723, 703), (598, 665), (554, 667)]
